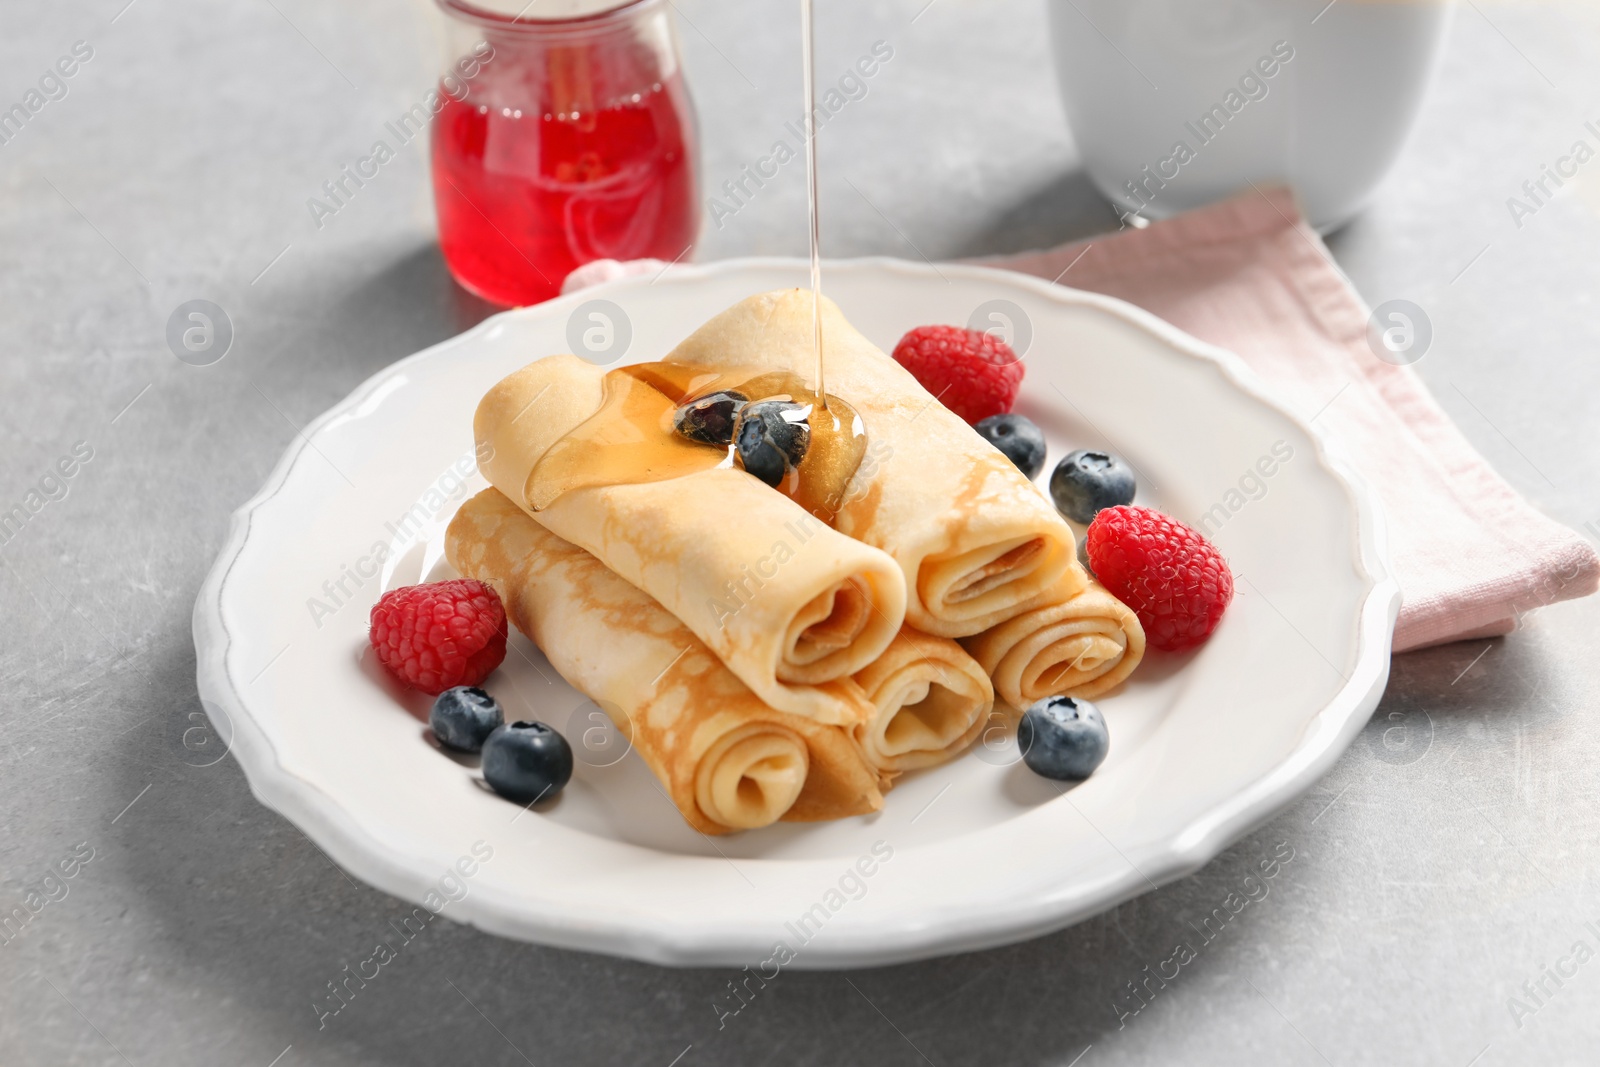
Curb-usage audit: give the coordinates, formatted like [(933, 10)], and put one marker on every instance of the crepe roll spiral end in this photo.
[(930, 699), (831, 622), (967, 592), (929, 719), (752, 776), (1081, 645), (844, 627), (1078, 660)]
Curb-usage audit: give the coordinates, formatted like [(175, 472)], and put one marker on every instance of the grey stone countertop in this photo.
[(1434, 872)]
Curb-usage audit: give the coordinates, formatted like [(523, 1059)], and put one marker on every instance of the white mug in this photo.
[(1177, 103)]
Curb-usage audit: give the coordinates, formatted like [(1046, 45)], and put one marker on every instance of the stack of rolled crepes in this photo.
[(727, 758), (844, 664)]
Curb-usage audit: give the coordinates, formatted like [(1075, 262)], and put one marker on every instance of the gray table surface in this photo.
[(1431, 878)]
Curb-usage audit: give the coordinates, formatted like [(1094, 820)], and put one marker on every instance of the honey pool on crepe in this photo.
[(631, 439)]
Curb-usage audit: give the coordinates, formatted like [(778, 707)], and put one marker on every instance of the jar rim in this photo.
[(521, 22)]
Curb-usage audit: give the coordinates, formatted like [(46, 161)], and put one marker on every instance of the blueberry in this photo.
[(772, 436), (1084, 482), (1020, 440), (1063, 738), (526, 761), (463, 717), (710, 419)]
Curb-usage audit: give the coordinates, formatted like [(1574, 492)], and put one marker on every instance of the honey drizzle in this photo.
[(808, 60), (630, 439)]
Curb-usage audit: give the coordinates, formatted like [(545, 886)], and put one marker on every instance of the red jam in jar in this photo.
[(572, 139)]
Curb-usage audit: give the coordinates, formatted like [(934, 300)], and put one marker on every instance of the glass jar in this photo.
[(561, 139), (1319, 96)]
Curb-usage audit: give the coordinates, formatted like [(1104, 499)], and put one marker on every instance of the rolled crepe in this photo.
[(792, 607), (1079, 644), (977, 541), (727, 760), (930, 699)]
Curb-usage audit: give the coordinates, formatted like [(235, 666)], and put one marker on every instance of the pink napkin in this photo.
[(1249, 275)]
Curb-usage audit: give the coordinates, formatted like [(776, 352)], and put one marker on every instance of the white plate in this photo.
[(980, 852)]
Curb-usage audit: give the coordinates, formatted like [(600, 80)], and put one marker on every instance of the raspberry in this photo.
[(437, 636), (1171, 577), (973, 373)]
